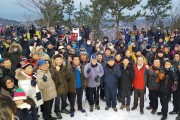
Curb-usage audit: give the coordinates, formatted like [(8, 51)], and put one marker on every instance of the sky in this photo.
[(10, 10)]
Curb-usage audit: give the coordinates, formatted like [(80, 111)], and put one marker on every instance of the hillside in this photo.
[(4, 22)]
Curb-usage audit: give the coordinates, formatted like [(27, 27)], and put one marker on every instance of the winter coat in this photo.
[(47, 87), (97, 70), (13, 56), (111, 76), (140, 79), (126, 77), (71, 78), (25, 47), (166, 83), (24, 82), (89, 49), (26, 112), (171, 44), (7, 93), (154, 78), (32, 41), (59, 80), (150, 58), (10, 73)]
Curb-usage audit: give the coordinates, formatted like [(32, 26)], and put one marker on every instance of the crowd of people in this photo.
[(58, 68)]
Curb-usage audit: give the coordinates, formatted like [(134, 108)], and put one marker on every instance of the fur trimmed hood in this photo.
[(15, 45), (20, 75)]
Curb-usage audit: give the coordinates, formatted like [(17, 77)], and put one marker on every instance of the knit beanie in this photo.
[(19, 94)]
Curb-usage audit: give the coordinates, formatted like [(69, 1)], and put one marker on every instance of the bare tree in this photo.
[(175, 17), (48, 10)]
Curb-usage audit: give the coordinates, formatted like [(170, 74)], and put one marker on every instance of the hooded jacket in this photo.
[(24, 82), (13, 56)]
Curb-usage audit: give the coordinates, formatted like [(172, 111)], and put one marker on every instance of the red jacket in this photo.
[(140, 78)]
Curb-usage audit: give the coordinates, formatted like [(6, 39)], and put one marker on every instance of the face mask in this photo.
[(15, 49)]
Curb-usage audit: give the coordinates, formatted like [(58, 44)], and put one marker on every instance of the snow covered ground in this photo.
[(102, 114)]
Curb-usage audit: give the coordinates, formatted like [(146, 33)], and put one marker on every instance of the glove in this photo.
[(176, 83), (44, 78), (88, 71), (33, 83), (96, 78)]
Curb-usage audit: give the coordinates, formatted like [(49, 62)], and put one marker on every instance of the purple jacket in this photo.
[(97, 70)]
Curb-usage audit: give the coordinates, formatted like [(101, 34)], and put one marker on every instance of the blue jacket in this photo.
[(111, 76)]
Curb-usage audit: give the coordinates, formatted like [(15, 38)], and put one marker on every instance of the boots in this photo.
[(128, 108), (58, 115), (91, 108), (97, 107), (122, 107)]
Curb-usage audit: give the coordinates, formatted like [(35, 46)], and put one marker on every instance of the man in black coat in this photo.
[(126, 79)]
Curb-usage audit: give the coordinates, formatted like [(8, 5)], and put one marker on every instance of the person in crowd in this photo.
[(151, 55), (121, 48), (35, 41), (118, 58), (84, 58), (28, 82), (143, 45), (93, 71), (25, 45), (47, 88), (167, 52), (107, 54), (176, 61), (150, 35), (175, 64), (112, 73), (146, 50), (136, 54), (8, 108), (7, 70), (58, 75), (34, 58), (165, 88), (7, 86), (76, 83), (89, 47), (128, 54), (50, 49), (100, 60), (176, 49), (126, 79), (32, 31), (155, 75), (51, 39), (160, 56), (25, 111), (139, 83), (171, 43), (178, 91), (13, 53), (160, 43)]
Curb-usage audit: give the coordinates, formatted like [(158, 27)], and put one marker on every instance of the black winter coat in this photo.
[(127, 76), (25, 114), (166, 83)]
